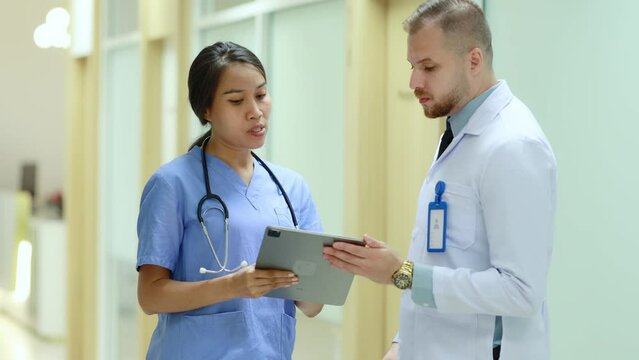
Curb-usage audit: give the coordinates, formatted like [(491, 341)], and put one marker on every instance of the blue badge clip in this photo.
[(437, 218), (439, 191)]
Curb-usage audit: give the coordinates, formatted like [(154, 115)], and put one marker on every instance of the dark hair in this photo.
[(462, 21), (205, 73)]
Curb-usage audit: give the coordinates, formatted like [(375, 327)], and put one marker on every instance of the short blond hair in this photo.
[(462, 22)]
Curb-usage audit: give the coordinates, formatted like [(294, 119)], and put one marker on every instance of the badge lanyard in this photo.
[(437, 211)]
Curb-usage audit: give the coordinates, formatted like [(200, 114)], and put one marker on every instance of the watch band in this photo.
[(403, 278)]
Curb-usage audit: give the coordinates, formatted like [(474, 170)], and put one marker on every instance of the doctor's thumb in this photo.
[(373, 243)]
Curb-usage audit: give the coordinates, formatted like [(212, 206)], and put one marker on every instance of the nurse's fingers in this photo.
[(269, 273), (260, 287), (274, 282)]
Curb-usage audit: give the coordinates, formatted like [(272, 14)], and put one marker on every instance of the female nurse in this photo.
[(220, 312)]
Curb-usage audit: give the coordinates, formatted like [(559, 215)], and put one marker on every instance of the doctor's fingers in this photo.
[(340, 264), (372, 242), (357, 250), (346, 256)]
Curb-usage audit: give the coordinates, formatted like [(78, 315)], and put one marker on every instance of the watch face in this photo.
[(402, 281)]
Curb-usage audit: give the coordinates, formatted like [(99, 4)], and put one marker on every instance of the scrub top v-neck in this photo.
[(170, 236)]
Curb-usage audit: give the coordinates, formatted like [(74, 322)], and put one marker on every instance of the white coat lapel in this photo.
[(483, 117)]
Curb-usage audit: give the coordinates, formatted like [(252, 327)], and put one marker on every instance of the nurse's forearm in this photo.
[(158, 293), (167, 295), (309, 309)]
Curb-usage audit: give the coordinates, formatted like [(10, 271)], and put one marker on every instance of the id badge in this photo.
[(437, 215)]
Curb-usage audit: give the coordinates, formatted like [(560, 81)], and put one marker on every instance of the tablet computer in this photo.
[(300, 251)]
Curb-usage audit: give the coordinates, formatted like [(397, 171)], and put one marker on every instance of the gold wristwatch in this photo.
[(403, 278)]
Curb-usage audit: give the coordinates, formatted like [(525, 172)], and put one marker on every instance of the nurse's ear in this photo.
[(207, 115), (209, 120)]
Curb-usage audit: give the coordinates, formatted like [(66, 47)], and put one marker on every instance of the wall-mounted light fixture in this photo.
[(54, 32)]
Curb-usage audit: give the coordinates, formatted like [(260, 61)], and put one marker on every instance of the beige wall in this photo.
[(389, 148), (365, 165), (31, 98), (168, 18), (159, 21), (81, 185), (411, 142)]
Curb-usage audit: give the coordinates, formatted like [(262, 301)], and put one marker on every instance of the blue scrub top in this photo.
[(170, 236)]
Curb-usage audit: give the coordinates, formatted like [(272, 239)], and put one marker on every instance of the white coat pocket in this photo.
[(462, 216)]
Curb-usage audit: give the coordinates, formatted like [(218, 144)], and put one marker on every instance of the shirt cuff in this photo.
[(422, 289), (396, 338)]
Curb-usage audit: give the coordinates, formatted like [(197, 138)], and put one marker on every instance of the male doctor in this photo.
[(475, 278)]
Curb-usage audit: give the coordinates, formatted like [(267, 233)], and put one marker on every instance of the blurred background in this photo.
[(93, 99)]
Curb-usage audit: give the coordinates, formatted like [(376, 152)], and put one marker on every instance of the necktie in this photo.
[(447, 138)]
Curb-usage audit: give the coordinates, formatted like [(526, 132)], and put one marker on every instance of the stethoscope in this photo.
[(225, 210)]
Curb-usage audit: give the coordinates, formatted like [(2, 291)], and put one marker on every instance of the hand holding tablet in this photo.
[(300, 251)]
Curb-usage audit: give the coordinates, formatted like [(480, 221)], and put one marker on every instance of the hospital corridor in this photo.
[(311, 179)]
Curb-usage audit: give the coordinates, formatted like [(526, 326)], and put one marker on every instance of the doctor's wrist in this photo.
[(394, 269), (403, 277)]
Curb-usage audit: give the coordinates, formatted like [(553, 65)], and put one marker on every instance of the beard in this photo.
[(448, 101)]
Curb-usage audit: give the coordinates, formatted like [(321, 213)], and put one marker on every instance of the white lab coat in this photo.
[(500, 175)]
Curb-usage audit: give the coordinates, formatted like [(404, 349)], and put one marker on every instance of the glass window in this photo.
[(242, 33), (122, 17), (119, 197), (307, 60), (210, 6)]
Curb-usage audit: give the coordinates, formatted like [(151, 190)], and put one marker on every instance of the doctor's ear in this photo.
[(476, 58)]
